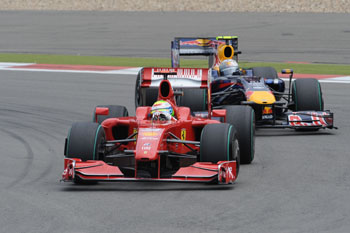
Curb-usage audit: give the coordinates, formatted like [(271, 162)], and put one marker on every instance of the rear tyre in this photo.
[(307, 95), (243, 119), (195, 99), (114, 111), (219, 143), (265, 72), (138, 91), (145, 97), (151, 96), (268, 73), (85, 141)]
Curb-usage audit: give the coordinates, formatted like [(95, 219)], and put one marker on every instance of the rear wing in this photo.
[(179, 78), (203, 46), (151, 85)]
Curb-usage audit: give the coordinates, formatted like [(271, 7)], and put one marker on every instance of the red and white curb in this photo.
[(134, 70), (69, 68), (323, 78)]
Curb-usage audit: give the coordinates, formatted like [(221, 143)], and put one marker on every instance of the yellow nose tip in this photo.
[(262, 97)]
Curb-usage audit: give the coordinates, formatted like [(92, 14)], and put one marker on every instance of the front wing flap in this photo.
[(224, 172), (314, 119)]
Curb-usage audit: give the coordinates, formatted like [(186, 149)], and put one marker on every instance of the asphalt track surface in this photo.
[(298, 182), (263, 36)]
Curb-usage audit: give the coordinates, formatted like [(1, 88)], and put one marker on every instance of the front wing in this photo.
[(305, 119), (224, 172)]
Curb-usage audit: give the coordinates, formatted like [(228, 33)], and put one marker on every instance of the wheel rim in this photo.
[(252, 133), (100, 149), (67, 152), (229, 143), (319, 96), (237, 155), (295, 96), (95, 144), (137, 95)]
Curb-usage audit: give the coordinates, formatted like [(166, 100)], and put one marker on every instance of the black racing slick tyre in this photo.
[(265, 72), (85, 141), (243, 119), (219, 143), (146, 96), (151, 96), (114, 111), (268, 73), (307, 95), (195, 99), (138, 91)]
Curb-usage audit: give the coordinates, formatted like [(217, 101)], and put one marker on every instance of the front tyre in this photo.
[(307, 95), (219, 143), (243, 119), (85, 141)]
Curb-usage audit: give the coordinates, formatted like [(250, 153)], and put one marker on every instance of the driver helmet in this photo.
[(162, 110), (228, 67)]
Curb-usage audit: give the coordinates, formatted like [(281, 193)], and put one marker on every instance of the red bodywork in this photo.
[(152, 139)]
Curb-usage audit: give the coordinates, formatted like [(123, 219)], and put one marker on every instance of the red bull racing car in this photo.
[(163, 142), (299, 107)]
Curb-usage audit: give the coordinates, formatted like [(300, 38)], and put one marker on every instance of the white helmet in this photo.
[(162, 110), (228, 67)]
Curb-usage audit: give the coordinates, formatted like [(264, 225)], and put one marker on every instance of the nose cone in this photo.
[(262, 97), (148, 143)]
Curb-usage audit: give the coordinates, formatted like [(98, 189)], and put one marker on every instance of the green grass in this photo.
[(95, 60), (164, 62), (304, 68)]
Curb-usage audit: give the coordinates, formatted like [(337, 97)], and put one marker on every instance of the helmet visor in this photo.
[(228, 71)]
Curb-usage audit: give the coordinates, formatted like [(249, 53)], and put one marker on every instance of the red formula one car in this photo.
[(149, 147)]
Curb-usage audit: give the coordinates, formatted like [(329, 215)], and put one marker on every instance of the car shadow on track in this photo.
[(144, 186), (287, 132)]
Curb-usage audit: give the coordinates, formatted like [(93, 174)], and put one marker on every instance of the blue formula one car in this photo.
[(300, 106)]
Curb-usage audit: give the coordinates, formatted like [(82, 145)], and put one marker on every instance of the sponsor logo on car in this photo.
[(183, 134)]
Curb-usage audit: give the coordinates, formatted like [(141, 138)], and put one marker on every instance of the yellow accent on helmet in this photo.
[(162, 106)]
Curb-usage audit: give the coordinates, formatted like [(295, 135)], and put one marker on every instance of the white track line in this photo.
[(129, 71)]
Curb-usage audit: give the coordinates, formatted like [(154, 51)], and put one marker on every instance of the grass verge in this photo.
[(164, 62)]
